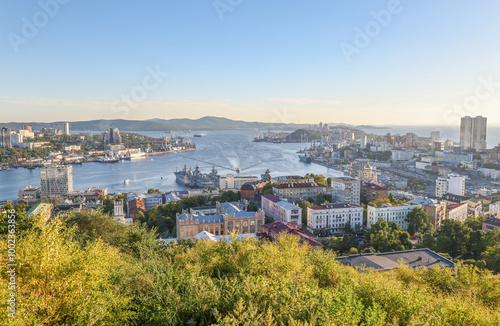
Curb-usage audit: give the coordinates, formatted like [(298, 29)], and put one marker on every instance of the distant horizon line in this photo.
[(267, 122)]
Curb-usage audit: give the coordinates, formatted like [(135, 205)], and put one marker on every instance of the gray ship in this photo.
[(196, 178)]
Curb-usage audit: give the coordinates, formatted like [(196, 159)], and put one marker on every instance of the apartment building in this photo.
[(390, 213), (452, 184), (56, 180), (231, 181), (435, 209), (281, 210), (457, 212), (334, 217), (297, 191), (370, 192), (346, 190)]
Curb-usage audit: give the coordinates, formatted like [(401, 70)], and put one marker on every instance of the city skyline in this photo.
[(354, 63)]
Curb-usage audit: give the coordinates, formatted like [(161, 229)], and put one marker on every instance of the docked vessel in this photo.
[(305, 158), (196, 178), (133, 154), (108, 160)]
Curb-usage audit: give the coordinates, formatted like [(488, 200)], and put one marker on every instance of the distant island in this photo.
[(205, 123)]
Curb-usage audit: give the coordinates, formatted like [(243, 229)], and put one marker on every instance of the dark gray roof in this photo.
[(418, 258), (202, 218), (492, 221), (202, 207)]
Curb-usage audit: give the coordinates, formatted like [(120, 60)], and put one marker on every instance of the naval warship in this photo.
[(197, 179)]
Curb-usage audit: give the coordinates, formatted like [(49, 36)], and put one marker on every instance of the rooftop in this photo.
[(248, 186), (453, 206), (492, 221), (345, 179), (38, 209), (300, 185), (272, 198), (289, 177), (202, 218), (232, 208), (416, 259), (372, 186), (334, 206), (426, 201), (287, 205), (280, 227)]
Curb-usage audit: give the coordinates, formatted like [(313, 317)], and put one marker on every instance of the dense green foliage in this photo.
[(467, 240), (418, 221), (305, 135), (75, 272), (387, 236), (379, 156)]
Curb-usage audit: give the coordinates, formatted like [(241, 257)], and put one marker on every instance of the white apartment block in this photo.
[(390, 213), (26, 133), (494, 210), (346, 190), (334, 217), (453, 184), (56, 180), (16, 139), (281, 210), (231, 181), (152, 200), (457, 212)]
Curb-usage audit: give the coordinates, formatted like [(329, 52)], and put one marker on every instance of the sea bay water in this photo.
[(227, 149)]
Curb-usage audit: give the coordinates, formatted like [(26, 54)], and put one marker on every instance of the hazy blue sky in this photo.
[(426, 62)]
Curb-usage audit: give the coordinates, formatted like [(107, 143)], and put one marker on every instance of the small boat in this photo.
[(126, 182), (197, 135)]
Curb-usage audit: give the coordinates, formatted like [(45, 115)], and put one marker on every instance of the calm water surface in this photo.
[(224, 148)]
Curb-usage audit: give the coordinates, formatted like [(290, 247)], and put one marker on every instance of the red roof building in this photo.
[(135, 206), (273, 230), (252, 190), (296, 191), (370, 192)]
